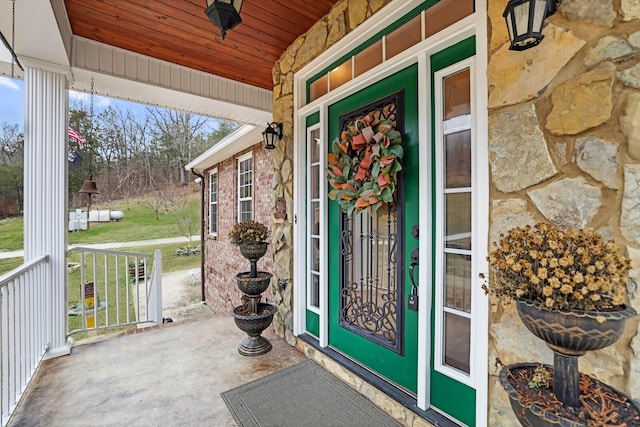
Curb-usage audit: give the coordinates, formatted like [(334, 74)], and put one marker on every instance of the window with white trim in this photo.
[(213, 202), (454, 240), (245, 187), (315, 174)]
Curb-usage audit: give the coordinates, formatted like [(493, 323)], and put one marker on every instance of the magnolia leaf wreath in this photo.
[(363, 165)]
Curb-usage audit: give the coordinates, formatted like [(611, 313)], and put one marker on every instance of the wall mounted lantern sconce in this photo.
[(224, 14), (273, 131), (525, 19)]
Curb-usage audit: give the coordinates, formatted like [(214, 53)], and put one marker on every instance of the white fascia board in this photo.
[(241, 139)]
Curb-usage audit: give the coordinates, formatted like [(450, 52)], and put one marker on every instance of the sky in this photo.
[(12, 102)]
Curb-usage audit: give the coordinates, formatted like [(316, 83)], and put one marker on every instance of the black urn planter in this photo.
[(570, 334), (253, 251), (534, 415), (253, 325), (253, 285), (574, 332), (530, 415), (253, 316)]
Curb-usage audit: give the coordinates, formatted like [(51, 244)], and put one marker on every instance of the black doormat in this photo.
[(302, 395)]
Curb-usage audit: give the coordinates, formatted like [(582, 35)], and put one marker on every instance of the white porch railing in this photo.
[(24, 314), (114, 289)]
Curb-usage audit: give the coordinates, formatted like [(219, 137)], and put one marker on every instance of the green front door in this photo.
[(369, 255)]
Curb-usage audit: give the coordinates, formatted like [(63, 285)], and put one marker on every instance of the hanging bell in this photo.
[(89, 186)]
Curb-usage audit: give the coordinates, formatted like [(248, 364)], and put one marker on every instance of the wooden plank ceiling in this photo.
[(178, 31)]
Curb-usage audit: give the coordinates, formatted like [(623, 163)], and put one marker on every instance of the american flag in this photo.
[(75, 136)]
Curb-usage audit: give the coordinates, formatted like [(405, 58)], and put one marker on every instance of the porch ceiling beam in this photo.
[(42, 30)]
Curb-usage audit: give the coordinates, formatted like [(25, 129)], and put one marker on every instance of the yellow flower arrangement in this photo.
[(559, 269)]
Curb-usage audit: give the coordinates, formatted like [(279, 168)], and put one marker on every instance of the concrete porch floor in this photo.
[(170, 375)]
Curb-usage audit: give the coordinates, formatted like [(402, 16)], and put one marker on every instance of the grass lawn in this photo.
[(139, 223), (11, 234), (7, 265)]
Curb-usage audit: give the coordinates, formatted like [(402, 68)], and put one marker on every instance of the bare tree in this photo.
[(156, 202), (131, 154), (187, 222), (177, 132), (11, 144), (188, 225), (126, 151), (177, 197), (11, 170)]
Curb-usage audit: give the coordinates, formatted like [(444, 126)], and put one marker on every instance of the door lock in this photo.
[(415, 256), (413, 299)]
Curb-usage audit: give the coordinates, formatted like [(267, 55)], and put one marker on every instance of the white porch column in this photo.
[(45, 188)]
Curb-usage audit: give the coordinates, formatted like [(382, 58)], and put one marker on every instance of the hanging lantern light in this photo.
[(524, 21), (224, 14), (273, 131)]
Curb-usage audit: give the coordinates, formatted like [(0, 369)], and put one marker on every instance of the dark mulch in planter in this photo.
[(600, 405), (244, 310)]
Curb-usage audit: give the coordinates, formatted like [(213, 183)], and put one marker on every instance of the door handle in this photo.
[(415, 256), (413, 282), (413, 297)]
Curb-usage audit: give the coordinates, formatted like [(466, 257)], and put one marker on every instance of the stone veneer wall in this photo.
[(343, 18), (564, 146), (223, 259)]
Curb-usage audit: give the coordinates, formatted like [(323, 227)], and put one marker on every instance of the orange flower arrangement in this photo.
[(363, 165), (559, 269)]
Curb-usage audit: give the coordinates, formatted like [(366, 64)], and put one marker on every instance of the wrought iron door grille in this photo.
[(371, 287)]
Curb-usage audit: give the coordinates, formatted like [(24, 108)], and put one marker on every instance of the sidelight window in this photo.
[(454, 236), (315, 174)]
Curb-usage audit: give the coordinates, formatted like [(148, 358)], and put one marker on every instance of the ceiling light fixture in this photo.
[(224, 14)]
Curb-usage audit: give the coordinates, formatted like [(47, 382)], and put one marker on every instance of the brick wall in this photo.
[(222, 259)]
